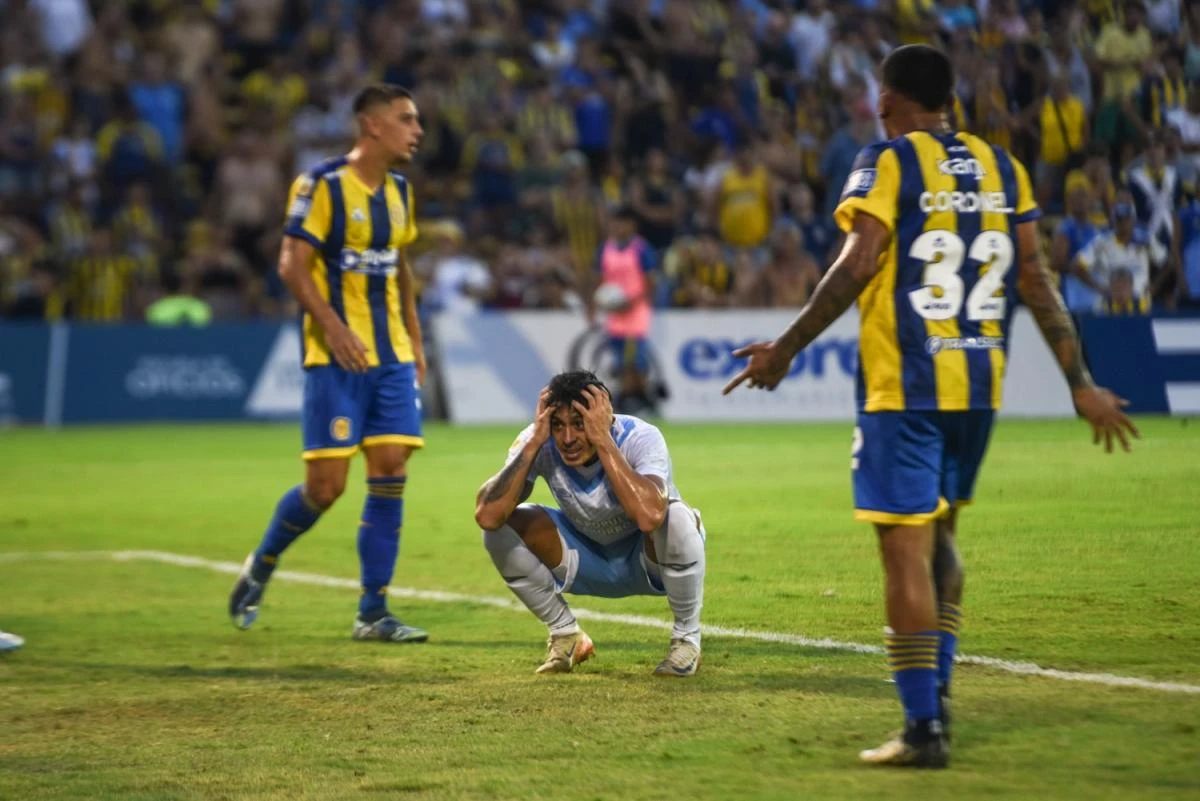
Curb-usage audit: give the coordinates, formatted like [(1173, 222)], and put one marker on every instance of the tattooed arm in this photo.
[(1101, 408), (856, 265), (1041, 296), (501, 493)]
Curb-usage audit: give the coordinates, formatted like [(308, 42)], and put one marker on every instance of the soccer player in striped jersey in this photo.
[(349, 220), (936, 221)]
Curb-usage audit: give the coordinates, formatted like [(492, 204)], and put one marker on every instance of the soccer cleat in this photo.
[(565, 651), (387, 629), (912, 749), (10, 642), (682, 660), (944, 714), (246, 596)]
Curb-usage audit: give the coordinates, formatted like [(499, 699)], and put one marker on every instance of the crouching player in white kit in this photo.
[(621, 527)]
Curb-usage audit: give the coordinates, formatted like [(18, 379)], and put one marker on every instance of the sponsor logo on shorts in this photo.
[(938, 344), (340, 428)]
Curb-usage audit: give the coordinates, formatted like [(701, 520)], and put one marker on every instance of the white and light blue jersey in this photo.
[(584, 494)]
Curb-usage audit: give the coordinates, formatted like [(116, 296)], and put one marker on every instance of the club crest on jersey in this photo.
[(397, 213), (304, 186), (860, 181), (339, 428)]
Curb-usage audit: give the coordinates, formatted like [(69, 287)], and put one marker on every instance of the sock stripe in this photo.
[(917, 651), (949, 618), (922, 664), (386, 487)]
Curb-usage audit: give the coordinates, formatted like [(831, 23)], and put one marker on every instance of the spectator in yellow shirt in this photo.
[(1122, 50), (276, 87), (745, 203), (1096, 177), (1062, 125)]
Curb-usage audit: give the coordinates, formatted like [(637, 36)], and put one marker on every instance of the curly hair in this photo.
[(565, 388)]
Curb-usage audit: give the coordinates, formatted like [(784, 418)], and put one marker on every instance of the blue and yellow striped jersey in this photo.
[(935, 319), (358, 234)]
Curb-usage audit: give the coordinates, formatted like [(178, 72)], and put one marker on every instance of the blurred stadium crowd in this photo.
[(146, 146)]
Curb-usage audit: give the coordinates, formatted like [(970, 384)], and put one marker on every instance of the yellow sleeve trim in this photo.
[(394, 439), (890, 519), (330, 453)]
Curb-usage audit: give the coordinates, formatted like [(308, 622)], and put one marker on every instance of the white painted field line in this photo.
[(232, 568)]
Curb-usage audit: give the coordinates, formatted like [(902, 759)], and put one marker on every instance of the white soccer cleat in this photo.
[(10, 642), (565, 651), (682, 660)]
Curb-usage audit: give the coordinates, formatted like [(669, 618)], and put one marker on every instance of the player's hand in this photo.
[(597, 415), (1102, 409), (347, 349), (768, 366), (541, 420), (419, 358)]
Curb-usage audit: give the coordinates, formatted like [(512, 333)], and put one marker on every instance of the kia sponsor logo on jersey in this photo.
[(184, 378), (961, 167)]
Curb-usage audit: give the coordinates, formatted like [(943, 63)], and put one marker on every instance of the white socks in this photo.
[(530, 580), (679, 548)]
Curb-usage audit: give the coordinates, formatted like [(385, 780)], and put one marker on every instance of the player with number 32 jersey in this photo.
[(941, 237), (935, 320)]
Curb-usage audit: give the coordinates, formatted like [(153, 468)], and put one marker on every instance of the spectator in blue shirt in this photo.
[(160, 103)]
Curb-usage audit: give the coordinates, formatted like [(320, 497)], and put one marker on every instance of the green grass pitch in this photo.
[(134, 686)]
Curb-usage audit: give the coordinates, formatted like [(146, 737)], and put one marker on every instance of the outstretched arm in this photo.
[(1040, 294), (1101, 408), (854, 268)]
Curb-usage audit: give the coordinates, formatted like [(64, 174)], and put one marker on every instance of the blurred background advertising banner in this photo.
[(494, 365)]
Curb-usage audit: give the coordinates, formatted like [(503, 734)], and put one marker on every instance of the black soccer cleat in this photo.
[(246, 595)]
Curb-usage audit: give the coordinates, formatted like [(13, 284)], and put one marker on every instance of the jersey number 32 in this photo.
[(941, 297)]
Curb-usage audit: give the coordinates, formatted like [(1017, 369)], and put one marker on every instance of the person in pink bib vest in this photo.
[(626, 263)]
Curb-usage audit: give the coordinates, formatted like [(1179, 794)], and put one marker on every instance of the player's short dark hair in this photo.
[(378, 94), (921, 73), (566, 388)]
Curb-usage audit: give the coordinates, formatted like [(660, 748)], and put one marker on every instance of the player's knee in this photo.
[(679, 541), (325, 490), (507, 550)]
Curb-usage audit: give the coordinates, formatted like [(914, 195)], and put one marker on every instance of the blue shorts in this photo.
[(344, 411), (607, 571), (910, 467), (630, 352)]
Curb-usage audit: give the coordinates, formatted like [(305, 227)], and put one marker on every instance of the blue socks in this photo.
[(913, 659), (949, 619), (294, 515), (379, 543)]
